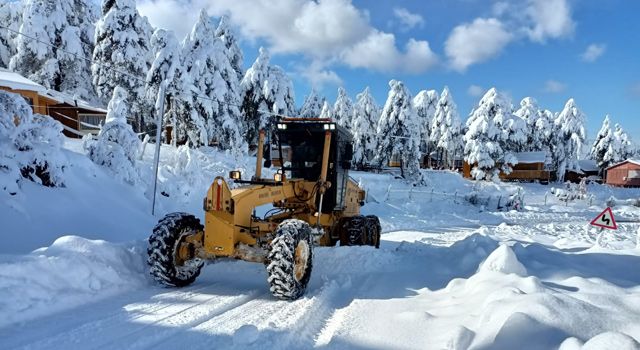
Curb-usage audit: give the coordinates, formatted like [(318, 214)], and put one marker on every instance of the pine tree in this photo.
[(448, 143), (225, 33), (166, 57), (425, 106), (206, 61), (10, 16), (365, 119), (327, 112), (122, 56), (266, 92), (399, 131), (569, 138), (343, 109), (67, 25), (625, 147), (536, 124), (601, 146), (485, 137), (312, 105)]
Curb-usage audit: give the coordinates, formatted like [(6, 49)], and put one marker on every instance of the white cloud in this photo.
[(551, 19), (475, 91), (407, 19), (476, 42), (593, 52), (554, 87), (327, 31), (318, 75)]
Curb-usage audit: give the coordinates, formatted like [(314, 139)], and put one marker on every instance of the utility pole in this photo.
[(156, 157)]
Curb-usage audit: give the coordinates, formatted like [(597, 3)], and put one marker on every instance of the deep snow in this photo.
[(449, 274)]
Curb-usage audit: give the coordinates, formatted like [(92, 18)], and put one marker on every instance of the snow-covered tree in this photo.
[(267, 91), (327, 112), (312, 105), (343, 109), (486, 136), (30, 146), (399, 131), (447, 129), (65, 24), (624, 145), (163, 67), (116, 146), (365, 119), (10, 16), (122, 56), (603, 143), (537, 124), (234, 53), (425, 106), (206, 60), (569, 138)]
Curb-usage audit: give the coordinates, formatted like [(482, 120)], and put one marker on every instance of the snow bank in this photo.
[(71, 272), (503, 260)]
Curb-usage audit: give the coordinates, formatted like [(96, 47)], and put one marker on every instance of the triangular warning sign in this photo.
[(605, 220)]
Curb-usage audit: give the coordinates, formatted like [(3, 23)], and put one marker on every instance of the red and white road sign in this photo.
[(605, 220)]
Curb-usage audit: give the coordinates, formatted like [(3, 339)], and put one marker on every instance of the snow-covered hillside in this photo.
[(453, 271)]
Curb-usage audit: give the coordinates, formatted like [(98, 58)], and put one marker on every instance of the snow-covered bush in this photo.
[(30, 146), (570, 193), (186, 166), (116, 146)]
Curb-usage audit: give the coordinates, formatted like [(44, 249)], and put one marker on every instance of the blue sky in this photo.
[(549, 49)]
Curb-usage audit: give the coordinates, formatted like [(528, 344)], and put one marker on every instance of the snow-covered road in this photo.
[(420, 290)]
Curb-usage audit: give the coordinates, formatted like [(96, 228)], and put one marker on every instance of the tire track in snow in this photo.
[(88, 318), (167, 326)]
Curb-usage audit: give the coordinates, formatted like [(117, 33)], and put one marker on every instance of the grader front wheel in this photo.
[(166, 253), (290, 259)]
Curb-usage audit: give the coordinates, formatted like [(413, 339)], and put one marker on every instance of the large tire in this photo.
[(163, 244), (290, 260), (353, 231), (373, 230)]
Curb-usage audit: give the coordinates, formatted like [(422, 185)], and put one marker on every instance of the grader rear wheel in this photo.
[(290, 259), (373, 230), (166, 252)]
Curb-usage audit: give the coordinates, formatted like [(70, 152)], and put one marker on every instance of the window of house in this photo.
[(634, 174), (91, 122)]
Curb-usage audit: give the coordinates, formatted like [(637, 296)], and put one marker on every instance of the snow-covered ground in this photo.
[(449, 274)]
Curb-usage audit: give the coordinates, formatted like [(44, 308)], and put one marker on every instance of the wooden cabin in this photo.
[(624, 174), (587, 168), (531, 167), (77, 117)]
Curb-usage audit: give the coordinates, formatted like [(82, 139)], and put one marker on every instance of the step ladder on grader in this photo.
[(318, 205)]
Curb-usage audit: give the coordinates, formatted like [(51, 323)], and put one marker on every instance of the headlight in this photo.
[(235, 175), (282, 126), (329, 126), (278, 177)]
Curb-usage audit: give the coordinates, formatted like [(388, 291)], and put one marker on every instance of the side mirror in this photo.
[(348, 152), (267, 156)]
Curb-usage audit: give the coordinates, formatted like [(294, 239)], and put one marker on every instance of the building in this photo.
[(587, 168), (624, 174), (77, 117), (531, 166)]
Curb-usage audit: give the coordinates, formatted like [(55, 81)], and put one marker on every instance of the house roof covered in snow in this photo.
[(634, 161), (531, 157), (16, 81), (62, 97)]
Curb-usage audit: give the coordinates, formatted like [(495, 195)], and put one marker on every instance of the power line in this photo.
[(135, 77)]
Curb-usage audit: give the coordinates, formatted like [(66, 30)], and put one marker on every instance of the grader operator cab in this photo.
[(313, 200)]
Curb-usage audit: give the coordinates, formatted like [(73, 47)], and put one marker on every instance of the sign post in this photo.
[(604, 220)]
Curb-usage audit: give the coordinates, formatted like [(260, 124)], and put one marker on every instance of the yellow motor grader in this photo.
[(312, 201)]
